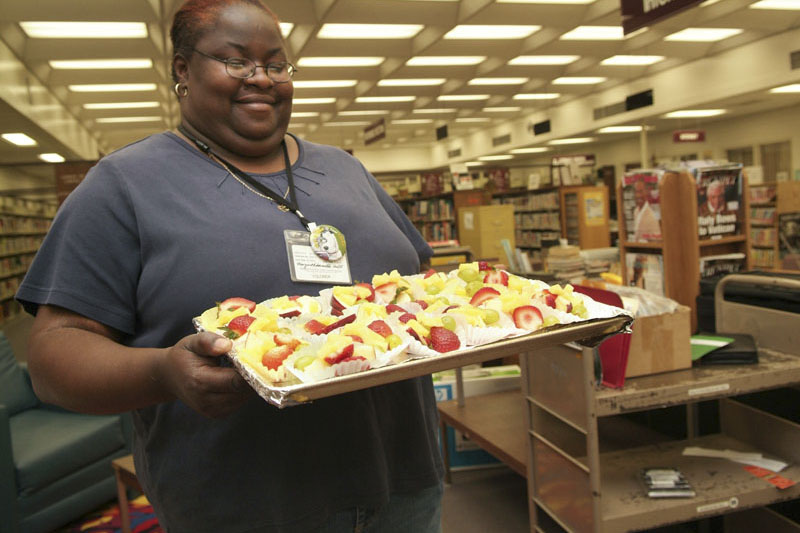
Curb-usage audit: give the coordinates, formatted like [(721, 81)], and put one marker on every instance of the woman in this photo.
[(165, 227)]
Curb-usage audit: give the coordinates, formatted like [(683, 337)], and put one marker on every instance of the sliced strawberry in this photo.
[(353, 358), (339, 323), (422, 303), (405, 317), (336, 306), (341, 355), (290, 314), (236, 303), (392, 308), (387, 291), (483, 265), (274, 357), (282, 339), (549, 298), (483, 294), (356, 338), (315, 327), (496, 276), (430, 272), (527, 317), (295, 297), (416, 336), (240, 324), (449, 307), (443, 340), (380, 327), (371, 290)]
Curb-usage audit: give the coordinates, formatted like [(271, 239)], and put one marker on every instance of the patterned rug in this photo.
[(107, 520)]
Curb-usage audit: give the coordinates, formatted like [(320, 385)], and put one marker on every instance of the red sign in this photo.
[(640, 13), (688, 136)]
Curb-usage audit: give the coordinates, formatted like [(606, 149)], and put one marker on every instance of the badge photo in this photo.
[(328, 242)]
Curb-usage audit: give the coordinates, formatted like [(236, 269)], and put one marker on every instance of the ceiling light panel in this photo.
[(444, 61), (462, 97), (81, 64), (578, 80), (433, 111), (286, 28), (354, 61), (313, 101), (695, 113), (369, 31), (536, 96), (534, 150), (631, 60), (406, 122), (384, 99), (366, 112), (478, 31), (496, 157), (507, 109), (793, 88), (19, 139), (112, 87), (120, 105), (620, 129), (497, 81), (323, 84), (776, 4), (412, 82), (594, 33), (572, 140), (552, 2), (466, 120), (84, 30), (544, 60), (115, 120), (51, 157), (703, 35)]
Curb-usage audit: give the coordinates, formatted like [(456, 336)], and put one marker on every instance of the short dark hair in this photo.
[(195, 17)]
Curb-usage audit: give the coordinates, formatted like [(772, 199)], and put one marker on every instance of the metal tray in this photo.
[(589, 333)]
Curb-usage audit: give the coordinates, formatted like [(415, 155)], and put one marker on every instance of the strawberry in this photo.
[(236, 303), (527, 317), (430, 272), (483, 265), (273, 358), (294, 297), (314, 327), (356, 338), (443, 340), (549, 298), (238, 326), (282, 339), (339, 323), (367, 286), (290, 314), (353, 358), (483, 294), (341, 355), (380, 327), (336, 306), (405, 317), (422, 303), (496, 276), (414, 334), (391, 308), (387, 291)]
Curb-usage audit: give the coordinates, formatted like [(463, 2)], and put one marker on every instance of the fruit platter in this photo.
[(294, 349)]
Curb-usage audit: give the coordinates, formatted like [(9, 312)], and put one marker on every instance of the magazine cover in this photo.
[(789, 234), (719, 201), (712, 265), (646, 271), (640, 205)]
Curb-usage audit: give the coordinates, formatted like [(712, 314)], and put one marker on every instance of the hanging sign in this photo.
[(688, 136), (375, 131), (640, 13)]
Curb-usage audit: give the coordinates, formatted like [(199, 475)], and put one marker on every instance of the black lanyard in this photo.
[(290, 205)]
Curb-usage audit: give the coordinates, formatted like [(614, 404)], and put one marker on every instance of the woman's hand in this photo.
[(190, 371)]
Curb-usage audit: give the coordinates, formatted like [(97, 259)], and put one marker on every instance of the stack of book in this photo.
[(565, 262)]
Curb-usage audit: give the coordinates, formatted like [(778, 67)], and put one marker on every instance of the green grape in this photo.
[(449, 323), (473, 287), (394, 341), (490, 316), (468, 274), (285, 331), (432, 289), (550, 321), (444, 300), (304, 361)]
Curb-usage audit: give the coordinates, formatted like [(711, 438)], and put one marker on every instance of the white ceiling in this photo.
[(35, 88)]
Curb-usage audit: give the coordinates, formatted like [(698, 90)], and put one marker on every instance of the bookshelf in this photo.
[(433, 216), (537, 219), (763, 229)]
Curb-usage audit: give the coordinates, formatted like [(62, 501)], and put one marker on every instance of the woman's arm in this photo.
[(79, 364)]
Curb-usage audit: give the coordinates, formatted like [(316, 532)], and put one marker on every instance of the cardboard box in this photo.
[(660, 343), (464, 453)]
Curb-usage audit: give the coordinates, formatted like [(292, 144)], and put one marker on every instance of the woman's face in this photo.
[(247, 117)]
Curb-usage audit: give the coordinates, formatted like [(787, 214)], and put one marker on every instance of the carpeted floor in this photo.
[(107, 520)]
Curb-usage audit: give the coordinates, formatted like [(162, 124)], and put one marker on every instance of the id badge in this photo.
[(307, 265)]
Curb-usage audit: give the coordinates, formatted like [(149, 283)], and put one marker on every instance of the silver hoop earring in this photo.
[(181, 90)]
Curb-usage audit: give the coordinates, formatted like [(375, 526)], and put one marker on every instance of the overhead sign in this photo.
[(69, 175), (637, 14), (375, 131), (689, 136)]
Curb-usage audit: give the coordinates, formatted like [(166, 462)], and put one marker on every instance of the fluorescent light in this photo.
[(354, 61), (410, 121), (534, 150), (473, 164), (473, 119), (384, 99), (462, 97), (326, 100), (121, 105), (444, 61), (84, 30), (347, 124), (320, 84), (286, 28), (695, 113), (495, 157), (434, 111), (115, 120), (20, 139), (578, 80), (594, 33), (369, 31), (99, 64), (361, 113), (543, 60), (562, 2), (619, 129), (305, 114), (703, 35), (793, 88), (411, 82), (497, 81), (536, 96), (498, 31), (776, 4), (507, 109), (52, 157), (635, 60), (112, 87), (572, 140)]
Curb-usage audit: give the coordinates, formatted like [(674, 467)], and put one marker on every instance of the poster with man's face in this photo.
[(719, 201)]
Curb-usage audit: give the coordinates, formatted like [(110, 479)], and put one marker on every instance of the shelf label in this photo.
[(731, 503), (710, 389)]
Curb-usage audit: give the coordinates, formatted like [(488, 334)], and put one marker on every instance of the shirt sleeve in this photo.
[(89, 262)]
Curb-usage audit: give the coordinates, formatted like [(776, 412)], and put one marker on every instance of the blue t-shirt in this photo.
[(158, 232)]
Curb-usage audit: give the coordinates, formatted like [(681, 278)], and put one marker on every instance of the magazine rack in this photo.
[(680, 247)]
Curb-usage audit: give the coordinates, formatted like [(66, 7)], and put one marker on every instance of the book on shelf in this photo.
[(646, 271), (641, 207), (719, 200), (712, 265)]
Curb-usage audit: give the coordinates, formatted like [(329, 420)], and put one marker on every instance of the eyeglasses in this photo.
[(243, 68)]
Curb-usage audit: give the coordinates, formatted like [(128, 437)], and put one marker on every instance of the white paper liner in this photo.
[(475, 336)]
